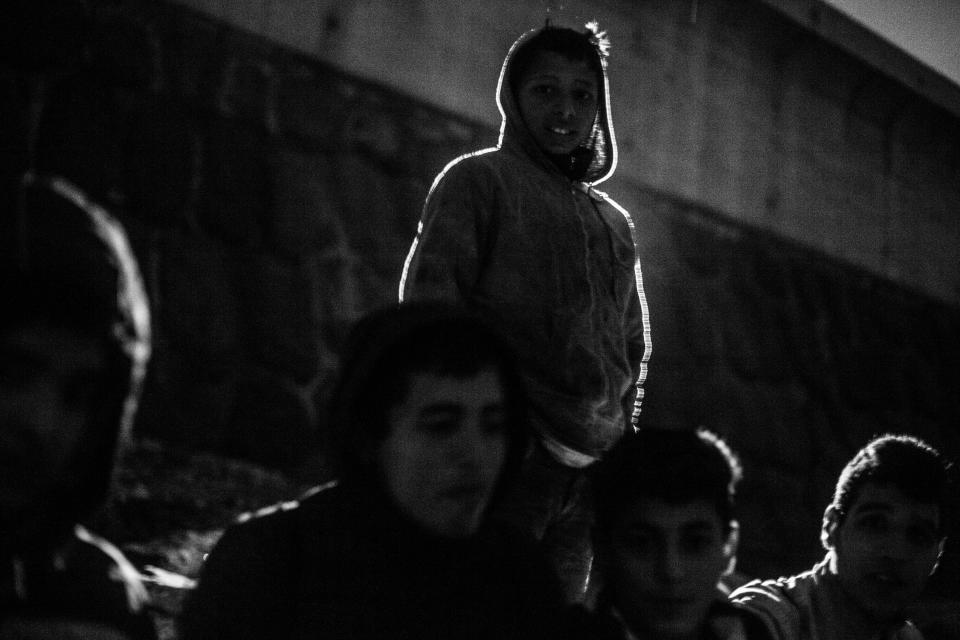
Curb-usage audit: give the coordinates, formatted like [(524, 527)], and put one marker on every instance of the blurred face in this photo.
[(885, 549), (48, 381), (663, 566), (445, 449), (558, 101)]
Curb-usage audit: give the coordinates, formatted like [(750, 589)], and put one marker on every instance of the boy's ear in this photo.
[(730, 547), (831, 520)]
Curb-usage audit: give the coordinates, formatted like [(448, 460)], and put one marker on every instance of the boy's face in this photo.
[(558, 101), (663, 565), (49, 377), (885, 549), (446, 446)]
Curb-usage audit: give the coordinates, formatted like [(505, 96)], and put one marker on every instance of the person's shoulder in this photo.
[(604, 198), (731, 620), (794, 587), (478, 167), (249, 580), (781, 604), (280, 520), (94, 581)]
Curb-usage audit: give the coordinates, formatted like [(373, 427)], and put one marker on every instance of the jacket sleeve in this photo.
[(444, 261), (244, 586), (770, 609), (638, 343), (636, 325)]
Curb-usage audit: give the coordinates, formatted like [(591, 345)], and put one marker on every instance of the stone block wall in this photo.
[(272, 198), (783, 114)]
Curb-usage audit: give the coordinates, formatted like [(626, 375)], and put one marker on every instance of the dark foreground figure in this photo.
[(74, 344), (430, 416)]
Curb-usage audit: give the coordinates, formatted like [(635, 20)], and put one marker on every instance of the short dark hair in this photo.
[(675, 466), (590, 46), (387, 346), (907, 462)]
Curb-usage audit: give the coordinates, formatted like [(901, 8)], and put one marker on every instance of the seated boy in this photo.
[(74, 343), (431, 419), (665, 535), (883, 532)]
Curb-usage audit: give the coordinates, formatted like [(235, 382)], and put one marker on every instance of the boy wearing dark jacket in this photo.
[(431, 423), (74, 344), (522, 231)]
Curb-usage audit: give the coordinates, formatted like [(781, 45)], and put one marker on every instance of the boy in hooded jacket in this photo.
[(74, 344), (522, 231)]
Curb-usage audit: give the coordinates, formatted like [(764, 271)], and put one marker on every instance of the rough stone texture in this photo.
[(272, 199)]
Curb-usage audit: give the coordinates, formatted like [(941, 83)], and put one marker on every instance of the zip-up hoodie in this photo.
[(506, 230)]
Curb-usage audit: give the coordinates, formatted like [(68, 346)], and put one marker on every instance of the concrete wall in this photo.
[(732, 105), (271, 198)]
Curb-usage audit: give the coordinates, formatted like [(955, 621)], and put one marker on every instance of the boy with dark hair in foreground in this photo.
[(665, 534), (430, 417), (884, 534), (74, 344)]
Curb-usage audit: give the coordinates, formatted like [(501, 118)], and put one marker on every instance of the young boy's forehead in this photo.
[(888, 498), (657, 513), (551, 62)]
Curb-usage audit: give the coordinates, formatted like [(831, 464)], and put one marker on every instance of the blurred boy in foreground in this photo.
[(74, 344)]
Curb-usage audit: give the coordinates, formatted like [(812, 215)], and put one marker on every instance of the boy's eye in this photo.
[(873, 523), (696, 543), (544, 90), (439, 426), (583, 96)]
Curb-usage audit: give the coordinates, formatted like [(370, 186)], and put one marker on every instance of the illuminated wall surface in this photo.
[(272, 198)]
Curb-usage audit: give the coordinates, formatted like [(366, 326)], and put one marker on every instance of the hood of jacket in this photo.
[(514, 134), (66, 262)]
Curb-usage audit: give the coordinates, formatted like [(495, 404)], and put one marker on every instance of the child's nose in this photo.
[(566, 106), (670, 566)]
